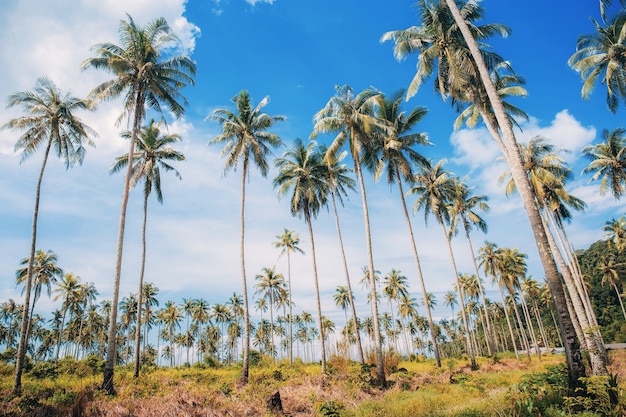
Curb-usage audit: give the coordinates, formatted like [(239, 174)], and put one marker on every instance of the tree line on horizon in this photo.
[(379, 137)]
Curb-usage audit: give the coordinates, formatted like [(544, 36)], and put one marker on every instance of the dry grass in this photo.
[(417, 389)]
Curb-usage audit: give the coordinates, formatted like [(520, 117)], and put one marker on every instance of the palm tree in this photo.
[(271, 286), (302, 172), (68, 288), (395, 288), (45, 272), (339, 182), (146, 79), (602, 56), (171, 317), (246, 138), (610, 270), (434, 189), (352, 118), (289, 241), (397, 160), (153, 155), (608, 162), (463, 207), (49, 121), (616, 232), (576, 368)]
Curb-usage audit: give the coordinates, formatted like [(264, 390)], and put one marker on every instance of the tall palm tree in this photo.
[(45, 272), (49, 121), (154, 153), (352, 118), (246, 138), (616, 232), (610, 271), (575, 364), (434, 188), (339, 182), (271, 286), (171, 317), (68, 289), (147, 79), (289, 241), (464, 207), (397, 158), (302, 172), (395, 287), (608, 162), (602, 56)]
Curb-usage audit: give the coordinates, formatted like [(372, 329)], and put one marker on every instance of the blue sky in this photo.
[(296, 52)]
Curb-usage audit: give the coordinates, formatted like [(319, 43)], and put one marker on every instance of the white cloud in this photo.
[(254, 2)]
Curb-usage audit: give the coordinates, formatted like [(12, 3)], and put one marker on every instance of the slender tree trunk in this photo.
[(380, 367), (357, 334), (531, 329), (508, 322), (420, 276), (290, 307), (307, 217), (140, 292), (23, 343), (109, 365), (468, 341), (619, 298), (576, 367), (246, 310)]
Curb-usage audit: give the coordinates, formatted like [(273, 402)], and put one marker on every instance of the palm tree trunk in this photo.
[(429, 317), (348, 283), (576, 367), (508, 321), (468, 341), (380, 367), (246, 310), (531, 329), (290, 308), (23, 343), (109, 365), (307, 217), (619, 298), (140, 292)]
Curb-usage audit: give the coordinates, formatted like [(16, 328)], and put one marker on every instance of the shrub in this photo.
[(43, 370), (598, 394), (538, 392), (95, 363), (330, 409)]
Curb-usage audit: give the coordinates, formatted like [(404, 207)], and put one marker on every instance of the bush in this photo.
[(599, 394), (538, 392), (330, 409), (95, 363), (43, 370)]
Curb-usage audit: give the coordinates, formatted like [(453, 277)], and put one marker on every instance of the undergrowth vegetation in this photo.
[(502, 386)]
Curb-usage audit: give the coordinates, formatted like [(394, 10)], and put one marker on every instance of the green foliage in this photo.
[(63, 398), (43, 370), (330, 408), (8, 356), (599, 394), (537, 392), (95, 363)]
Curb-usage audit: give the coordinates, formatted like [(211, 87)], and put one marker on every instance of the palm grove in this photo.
[(370, 134)]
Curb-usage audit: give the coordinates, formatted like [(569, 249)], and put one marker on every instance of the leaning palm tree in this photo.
[(289, 241), (575, 364), (396, 161), (600, 56), (302, 172), (147, 79), (246, 138), (153, 155), (50, 122), (352, 118), (608, 162)]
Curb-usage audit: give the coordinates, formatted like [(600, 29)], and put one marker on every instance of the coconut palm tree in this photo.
[(302, 172), (68, 288), (602, 56), (171, 317), (575, 364), (271, 286), (50, 121), (395, 287), (615, 231), (246, 137), (339, 182), (351, 117), (147, 79), (288, 242), (45, 272), (434, 188), (464, 207), (608, 162), (610, 271), (154, 153), (396, 161)]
